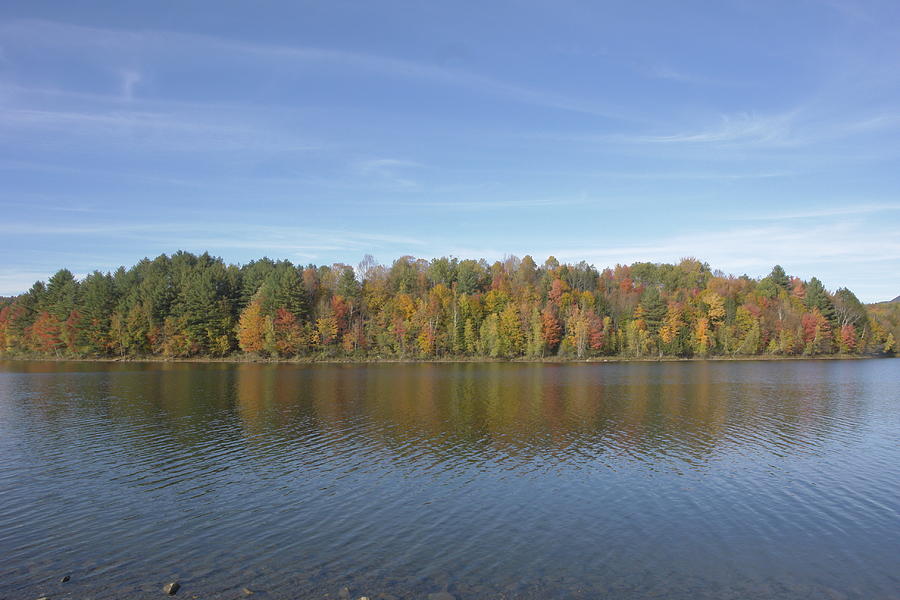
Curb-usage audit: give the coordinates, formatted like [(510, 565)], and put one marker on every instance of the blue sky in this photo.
[(745, 133)]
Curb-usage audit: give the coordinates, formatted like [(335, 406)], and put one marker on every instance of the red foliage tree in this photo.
[(847, 340), (341, 310), (69, 331), (288, 333), (551, 329), (556, 290), (45, 334), (814, 324), (596, 335)]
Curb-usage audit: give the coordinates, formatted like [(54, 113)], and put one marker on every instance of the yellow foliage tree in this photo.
[(326, 330), (251, 328), (701, 340)]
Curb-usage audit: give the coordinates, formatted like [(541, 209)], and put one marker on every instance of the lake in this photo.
[(758, 479)]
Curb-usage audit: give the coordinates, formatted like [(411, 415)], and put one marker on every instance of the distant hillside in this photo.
[(897, 299)]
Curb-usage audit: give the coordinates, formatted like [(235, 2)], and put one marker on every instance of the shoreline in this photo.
[(448, 360)]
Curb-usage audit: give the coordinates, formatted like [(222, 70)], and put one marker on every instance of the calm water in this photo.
[(671, 480)]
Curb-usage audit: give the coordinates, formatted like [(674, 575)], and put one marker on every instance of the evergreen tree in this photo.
[(348, 287), (61, 295), (654, 309), (780, 278), (253, 276), (97, 302), (817, 298), (284, 288), (205, 308)]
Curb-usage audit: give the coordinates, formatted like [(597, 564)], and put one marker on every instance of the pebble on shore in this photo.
[(171, 588)]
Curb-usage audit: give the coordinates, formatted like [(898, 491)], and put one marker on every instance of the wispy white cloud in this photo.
[(149, 130), (217, 235), (668, 73), (380, 164), (877, 123), (851, 209), (663, 72), (18, 165), (130, 79), (108, 41), (110, 229), (690, 175), (796, 133), (391, 171), (525, 202), (742, 128), (42, 204)]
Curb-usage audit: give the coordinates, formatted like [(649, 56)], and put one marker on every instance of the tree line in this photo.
[(186, 305)]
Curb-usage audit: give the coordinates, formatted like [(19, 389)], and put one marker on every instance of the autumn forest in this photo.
[(185, 305)]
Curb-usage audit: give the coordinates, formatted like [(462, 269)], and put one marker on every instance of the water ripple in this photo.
[(700, 480)]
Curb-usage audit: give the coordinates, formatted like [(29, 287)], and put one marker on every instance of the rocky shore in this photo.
[(172, 588)]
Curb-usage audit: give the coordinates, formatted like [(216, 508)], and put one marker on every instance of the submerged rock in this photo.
[(64, 579), (344, 594), (172, 588), (247, 591)]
